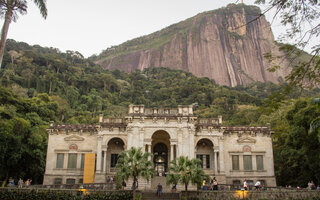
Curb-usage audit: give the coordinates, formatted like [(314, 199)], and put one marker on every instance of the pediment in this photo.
[(73, 138), (246, 140)]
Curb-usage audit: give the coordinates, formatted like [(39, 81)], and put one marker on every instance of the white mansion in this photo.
[(231, 154)]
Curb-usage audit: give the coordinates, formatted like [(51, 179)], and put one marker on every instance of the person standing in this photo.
[(159, 190), (257, 185), (27, 182), (12, 183), (245, 185), (124, 184), (204, 188), (215, 184), (20, 183)]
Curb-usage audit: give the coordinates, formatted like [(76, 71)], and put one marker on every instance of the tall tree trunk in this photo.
[(134, 188), (4, 32), (186, 187), (5, 180), (50, 86)]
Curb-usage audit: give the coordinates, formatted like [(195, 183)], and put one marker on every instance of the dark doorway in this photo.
[(160, 158)]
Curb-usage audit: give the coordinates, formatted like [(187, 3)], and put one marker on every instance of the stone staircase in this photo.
[(152, 195), (163, 181)]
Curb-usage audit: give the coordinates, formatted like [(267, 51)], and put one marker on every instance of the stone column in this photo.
[(179, 143), (148, 150), (129, 139), (191, 144), (141, 137), (221, 155), (98, 167), (105, 161), (215, 163), (171, 152), (254, 162)]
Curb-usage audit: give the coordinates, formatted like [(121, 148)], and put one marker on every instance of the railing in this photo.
[(161, 111), (91, 186)]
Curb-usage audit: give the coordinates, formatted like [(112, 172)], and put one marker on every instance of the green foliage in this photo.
[(14, 194), (186, 172), (23, 137), (133, 164), (82, 90), (295, 147)]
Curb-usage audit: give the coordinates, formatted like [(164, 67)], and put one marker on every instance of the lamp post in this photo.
[(242, 189)]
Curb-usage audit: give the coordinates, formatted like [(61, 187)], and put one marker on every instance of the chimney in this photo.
[(101, 118), (220, 119)]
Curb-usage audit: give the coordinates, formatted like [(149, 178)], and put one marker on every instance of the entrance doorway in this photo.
[(161, 151), (160, 158)]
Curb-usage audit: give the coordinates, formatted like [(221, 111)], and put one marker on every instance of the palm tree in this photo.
[(186, 171), (134, 164), (11, 8)]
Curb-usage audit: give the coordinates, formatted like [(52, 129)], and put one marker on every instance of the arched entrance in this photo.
[(114, 147), (160, 150), (204, 152)]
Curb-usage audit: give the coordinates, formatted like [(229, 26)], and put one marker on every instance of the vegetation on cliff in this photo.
[(159, 38)]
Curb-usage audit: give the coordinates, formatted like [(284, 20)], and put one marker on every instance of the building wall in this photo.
[(181, 132)]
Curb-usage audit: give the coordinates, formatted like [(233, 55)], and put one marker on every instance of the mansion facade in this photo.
[(231, 154)]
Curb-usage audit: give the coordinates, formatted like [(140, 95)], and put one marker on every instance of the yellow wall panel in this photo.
[(89, 164)]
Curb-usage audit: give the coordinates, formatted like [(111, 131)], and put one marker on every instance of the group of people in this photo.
[(21, 183), (257, 185), (110, 179), (213, 184), (311, 185)]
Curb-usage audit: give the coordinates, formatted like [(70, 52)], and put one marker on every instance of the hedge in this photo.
[(29, 194)]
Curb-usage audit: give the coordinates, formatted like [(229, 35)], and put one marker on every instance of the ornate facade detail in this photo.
[(74, 138), (246, 148), (167, 133), (246, 140)]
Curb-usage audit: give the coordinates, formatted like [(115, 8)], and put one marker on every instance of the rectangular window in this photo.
[(250, 183), (80, 181), (208, 161), (57, 181), (260, 163), (60, 158), (114, 160), (200, 157), (263, 183), (70, 181), (235, 162), (82, 161), (72, 161), (247, 162)]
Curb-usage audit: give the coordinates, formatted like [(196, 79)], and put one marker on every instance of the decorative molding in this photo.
[(246, 140), (73, 147), (73, 138), (246, 148)]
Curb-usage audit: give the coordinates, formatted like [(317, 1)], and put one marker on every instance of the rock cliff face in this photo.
[(226, 45)]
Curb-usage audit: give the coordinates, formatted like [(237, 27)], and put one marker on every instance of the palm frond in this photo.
[(42, 5)]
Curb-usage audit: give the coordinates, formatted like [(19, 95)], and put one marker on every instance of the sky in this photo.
[(92, 26)]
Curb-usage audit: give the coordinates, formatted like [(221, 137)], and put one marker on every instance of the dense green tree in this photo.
[(186, 172), (11, 8), (23, 137), (134, 164), (295, 147)]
